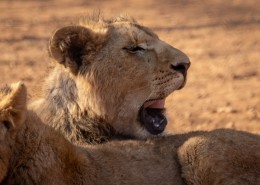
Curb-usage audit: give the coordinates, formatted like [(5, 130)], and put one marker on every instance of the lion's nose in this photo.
[(181, 66)]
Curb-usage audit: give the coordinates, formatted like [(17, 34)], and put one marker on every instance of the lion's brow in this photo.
[(146, 30)]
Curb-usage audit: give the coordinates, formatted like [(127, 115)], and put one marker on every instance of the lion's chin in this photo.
[(151, 116)]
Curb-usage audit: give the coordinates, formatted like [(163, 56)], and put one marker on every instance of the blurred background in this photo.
[(222, 39)]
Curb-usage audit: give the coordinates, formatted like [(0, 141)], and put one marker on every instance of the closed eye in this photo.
[(134, 49)]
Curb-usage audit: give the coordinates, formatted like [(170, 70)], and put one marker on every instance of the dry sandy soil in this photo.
[(222, 40)]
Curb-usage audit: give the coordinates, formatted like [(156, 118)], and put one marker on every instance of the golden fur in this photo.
[(34, 153), (103, 73)]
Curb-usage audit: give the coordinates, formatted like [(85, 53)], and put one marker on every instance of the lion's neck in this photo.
[(59, 107)]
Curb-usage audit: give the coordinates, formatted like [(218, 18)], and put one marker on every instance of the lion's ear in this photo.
[(13, 104), (70, 44)]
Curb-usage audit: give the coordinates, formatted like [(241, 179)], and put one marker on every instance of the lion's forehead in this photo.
[(133, 30), (139, 32)]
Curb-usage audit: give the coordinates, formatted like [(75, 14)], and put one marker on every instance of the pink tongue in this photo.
[(157, 104)]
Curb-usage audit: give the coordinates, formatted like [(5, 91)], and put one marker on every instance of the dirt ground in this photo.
[(222, 40)]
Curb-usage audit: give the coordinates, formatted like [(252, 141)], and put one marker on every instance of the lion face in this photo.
[(123, 73)]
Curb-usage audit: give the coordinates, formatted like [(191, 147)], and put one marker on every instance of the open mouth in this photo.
[(152, 117)]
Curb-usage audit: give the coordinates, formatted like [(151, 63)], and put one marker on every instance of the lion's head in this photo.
[(122, 71)]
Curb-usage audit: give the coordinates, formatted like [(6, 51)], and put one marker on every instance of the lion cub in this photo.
[(109, 80), (34, 153)]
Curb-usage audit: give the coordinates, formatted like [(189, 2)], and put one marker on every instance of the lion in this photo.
[(32, 152), (109, 80)]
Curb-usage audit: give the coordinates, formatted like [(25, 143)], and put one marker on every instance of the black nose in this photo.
[(181, 67)]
